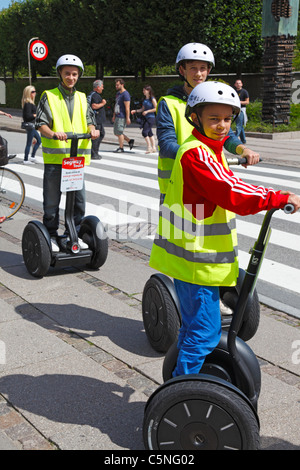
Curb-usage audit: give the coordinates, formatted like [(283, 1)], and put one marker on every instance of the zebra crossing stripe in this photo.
[(275, 273), (278, 237)]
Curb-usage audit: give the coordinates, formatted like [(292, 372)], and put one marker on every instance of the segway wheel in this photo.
[(160, 317), (199, 415), (93, 233), (252, 312), (36, 251)]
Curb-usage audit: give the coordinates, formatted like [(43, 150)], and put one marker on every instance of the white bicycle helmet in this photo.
[(69, 59), (213, 93), (195, 51)]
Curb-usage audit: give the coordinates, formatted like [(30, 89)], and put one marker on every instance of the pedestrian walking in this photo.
[(98, 106), (241, 120), (147, 112), (121, 116), (29, 115)]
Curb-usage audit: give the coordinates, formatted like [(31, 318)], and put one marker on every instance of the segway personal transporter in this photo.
[(161, 309), (36, 242), (217, 408)]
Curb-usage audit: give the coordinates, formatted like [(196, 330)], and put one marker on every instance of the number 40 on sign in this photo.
[(38, 50)]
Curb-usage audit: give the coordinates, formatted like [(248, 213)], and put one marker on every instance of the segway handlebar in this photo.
[(238, 160), (289, 208), (72, 136)]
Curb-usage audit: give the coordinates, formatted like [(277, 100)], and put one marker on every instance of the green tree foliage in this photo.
[(130, 36)]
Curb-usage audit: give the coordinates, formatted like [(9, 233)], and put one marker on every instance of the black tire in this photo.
[(36, 251), (198, 415), (93, 233), (160, 316), (252, 312)]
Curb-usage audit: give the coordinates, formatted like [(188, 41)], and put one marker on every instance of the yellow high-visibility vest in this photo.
[(55, 150), (199, 251), (183, 130)]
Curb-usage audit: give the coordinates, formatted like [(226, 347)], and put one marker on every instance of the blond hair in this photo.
[(27, 95)]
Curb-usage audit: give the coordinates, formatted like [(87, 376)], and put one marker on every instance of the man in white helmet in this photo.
[(62, 110), (196, 239), (193, 64)]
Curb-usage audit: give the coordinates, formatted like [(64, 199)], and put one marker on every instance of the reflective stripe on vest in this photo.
[(195, 257), (193, 229), (183, 130), (55, 150), (200, 251)]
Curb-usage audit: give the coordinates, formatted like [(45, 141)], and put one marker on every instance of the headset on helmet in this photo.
[(212, 93), (195, 51), (69, 59)]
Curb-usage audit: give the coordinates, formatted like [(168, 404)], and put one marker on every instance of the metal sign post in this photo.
[(28, 53)]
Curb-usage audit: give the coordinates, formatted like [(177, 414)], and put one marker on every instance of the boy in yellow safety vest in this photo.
[(196, 240), (62, 110), (194, 63)]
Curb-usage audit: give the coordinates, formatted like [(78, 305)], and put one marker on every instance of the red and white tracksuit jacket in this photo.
[(209, 183)]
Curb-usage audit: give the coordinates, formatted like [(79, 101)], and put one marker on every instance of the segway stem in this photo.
[(243, 375), (70, 199), (70, 196)]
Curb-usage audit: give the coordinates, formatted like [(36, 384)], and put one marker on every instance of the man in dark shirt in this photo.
[(241, 120), (121, 116), (97, 104)]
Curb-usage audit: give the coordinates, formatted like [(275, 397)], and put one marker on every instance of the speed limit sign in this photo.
[(39, 50)]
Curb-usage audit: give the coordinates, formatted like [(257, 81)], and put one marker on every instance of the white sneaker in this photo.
[(54, 246), (28, 162), (33, 160), (225, 310), (82, 244)]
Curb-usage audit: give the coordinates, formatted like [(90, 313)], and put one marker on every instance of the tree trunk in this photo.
[(99, 69)]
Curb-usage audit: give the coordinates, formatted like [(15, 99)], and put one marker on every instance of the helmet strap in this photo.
[(188, 84), (198, 127)]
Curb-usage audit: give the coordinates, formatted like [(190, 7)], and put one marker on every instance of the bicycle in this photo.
[(12, 188)]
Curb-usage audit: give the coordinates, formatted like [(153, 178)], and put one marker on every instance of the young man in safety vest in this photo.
[(193, 64), (196, 240), (62, 110)]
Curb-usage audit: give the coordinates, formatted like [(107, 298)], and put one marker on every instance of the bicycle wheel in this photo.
[(12, 192)]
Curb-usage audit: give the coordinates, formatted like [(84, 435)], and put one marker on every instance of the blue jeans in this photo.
[(32, 134), (200, 331), (240, 127), (147, 127), (52, 195)]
